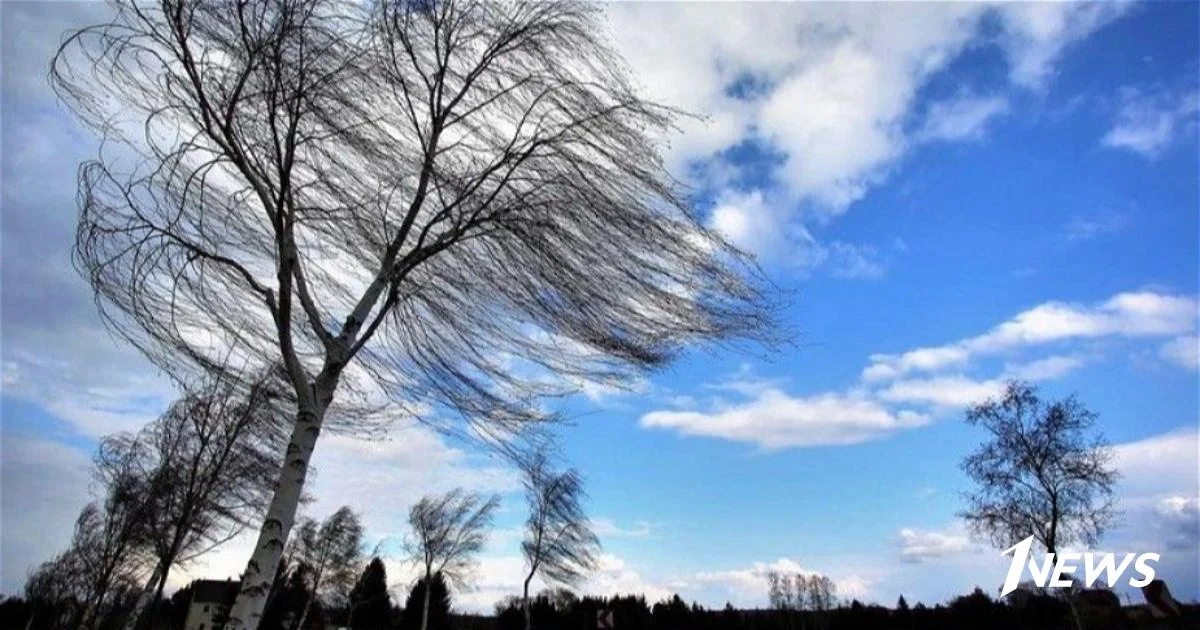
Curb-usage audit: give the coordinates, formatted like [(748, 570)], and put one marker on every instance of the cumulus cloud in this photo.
[(1159, 466), (826, 94), (747, 586), (961, 118), (1183, 351), (1135, 314), (762, 225), (943, 391), (920, 546), (774, 419), (1180, 521), (904, 391), (1048, 368), (1148, 122), (1037, 33)]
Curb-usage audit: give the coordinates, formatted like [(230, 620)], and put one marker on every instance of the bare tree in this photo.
[(1044, 472), (801, 592), (105, 554), (448, 531), (209, 461), (56, 592), (331, 552), (820, 596), (559, 541), (433, 203), (109, 547)]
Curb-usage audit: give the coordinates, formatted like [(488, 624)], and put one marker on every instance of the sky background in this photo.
[(947, 194)]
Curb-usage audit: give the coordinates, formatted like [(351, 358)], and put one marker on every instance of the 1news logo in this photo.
[(1054, 572)]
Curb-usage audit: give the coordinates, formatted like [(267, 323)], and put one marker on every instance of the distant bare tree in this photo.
[(435, 203), (448, 531), (782, 593), (209, 462), (1044, 473), (559, 541), (331, 553), (820, 596), (56, 592), (105, 552)]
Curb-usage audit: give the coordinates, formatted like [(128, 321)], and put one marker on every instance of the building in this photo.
[(210, 602)]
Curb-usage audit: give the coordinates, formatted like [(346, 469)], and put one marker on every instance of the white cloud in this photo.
[(607, 528), (1159, 466), (1149, 122), (1137, 314), (774, 419), (747, 587), (942, 391), (1049, 368), (921, 546), (884, 366), (891, 395), (1179, 518), (1036, 33), (827, 91), (1183, 351), (1085, 228), (962, 118), (762, 226), (382, 478)]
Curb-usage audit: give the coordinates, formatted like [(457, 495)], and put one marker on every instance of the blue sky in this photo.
[(948, 195)]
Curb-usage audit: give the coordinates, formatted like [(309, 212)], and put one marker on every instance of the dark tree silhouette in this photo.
[(1045, 472), (429, 609), (559, 543), (109, 547), (448, 531), (430, 203), (56, 591), (370, 604)]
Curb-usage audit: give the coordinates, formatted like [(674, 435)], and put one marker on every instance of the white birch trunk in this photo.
[(425, 607), (148, 592), (525, 602), (256, 584)]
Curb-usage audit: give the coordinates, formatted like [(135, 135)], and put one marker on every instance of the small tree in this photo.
[(109, 548), (56, 592), (559, 543), (331, 553), (427, 608), (448, 531), (1044, 472), (370, 603), (208, 461)]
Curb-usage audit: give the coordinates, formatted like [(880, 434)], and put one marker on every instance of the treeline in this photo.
[(976, 611), (370, 608)]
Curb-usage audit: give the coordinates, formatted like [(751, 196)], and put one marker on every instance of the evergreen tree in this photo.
[(370, 604), (902, 605), (439, 605)]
